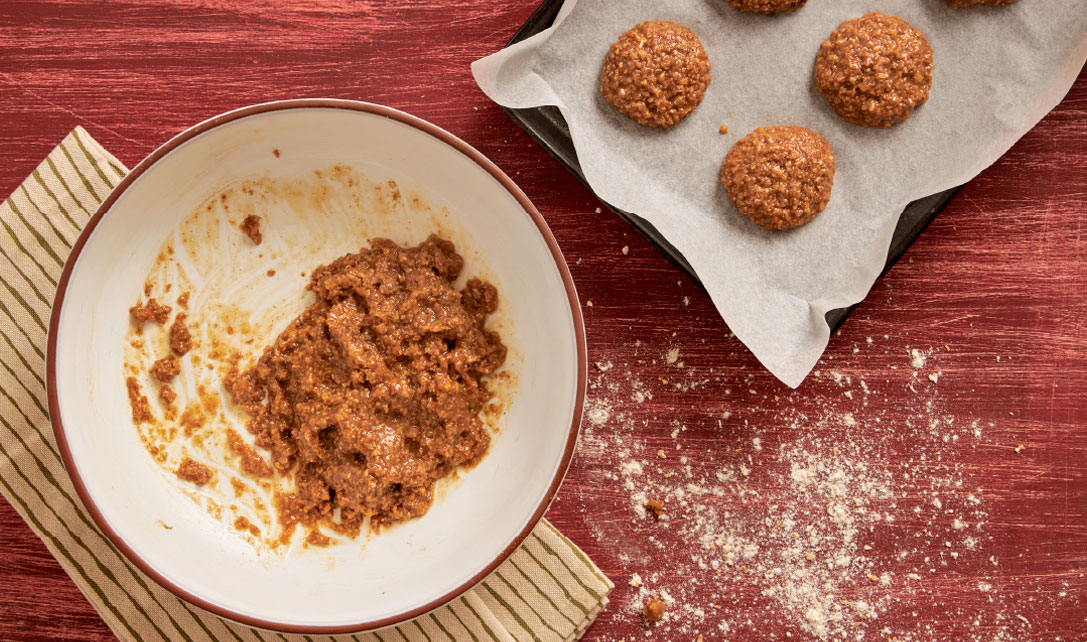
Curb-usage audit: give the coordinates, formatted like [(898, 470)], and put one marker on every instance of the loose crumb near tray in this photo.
[(654, 610), (193, 471), (165, 369), (654, 506), (150, 311), (723, 128), (167, 394), (251, 226)]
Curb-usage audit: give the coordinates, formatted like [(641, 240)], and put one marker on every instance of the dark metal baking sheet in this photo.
[(548, 128)]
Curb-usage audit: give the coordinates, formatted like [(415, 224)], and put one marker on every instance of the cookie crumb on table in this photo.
[(654, 610)]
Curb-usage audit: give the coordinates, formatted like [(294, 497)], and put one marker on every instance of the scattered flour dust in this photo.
[(807, 529), (597, 412)]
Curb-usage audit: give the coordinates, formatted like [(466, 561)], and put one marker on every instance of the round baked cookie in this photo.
[(780, 177), (767, 6), (874, 70), (656, 73), (961, 4)]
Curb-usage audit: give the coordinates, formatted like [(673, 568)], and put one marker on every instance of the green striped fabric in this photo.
[(548, 590)]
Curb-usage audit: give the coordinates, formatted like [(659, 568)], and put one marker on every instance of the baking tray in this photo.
[(546, 126)]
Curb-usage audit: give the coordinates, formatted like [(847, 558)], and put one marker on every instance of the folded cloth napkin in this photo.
[(547, 590)]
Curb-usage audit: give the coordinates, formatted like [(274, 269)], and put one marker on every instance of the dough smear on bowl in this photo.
[(780, 177), (874, 70), (656, 73)]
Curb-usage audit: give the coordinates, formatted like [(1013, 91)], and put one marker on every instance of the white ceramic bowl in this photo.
[(412, 568)]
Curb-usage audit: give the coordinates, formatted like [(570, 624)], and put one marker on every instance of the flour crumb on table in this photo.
[(809, 518)]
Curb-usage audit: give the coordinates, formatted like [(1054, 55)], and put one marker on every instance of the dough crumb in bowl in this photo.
[(251, 226)]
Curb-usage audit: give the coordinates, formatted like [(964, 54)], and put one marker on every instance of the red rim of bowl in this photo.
[(321, 103)]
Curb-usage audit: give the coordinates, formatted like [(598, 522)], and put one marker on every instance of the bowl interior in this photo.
[(411, 565)]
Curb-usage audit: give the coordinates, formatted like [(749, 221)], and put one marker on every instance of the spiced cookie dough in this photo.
[(961, 4), (656, 73), (780, 177), (874, 70), (374, 392), (767, 6)]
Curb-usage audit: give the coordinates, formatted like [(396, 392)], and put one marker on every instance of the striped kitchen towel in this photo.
[(547, 590)]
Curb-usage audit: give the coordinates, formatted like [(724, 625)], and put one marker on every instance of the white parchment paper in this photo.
[(998, 71)]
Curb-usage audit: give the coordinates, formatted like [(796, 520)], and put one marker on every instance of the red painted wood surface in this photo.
[(995, 289)]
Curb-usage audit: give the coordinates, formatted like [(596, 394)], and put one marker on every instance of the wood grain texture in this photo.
[(1001, 274)]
